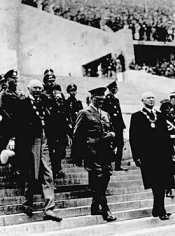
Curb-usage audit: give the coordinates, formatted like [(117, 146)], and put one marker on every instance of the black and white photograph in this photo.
[(87, 118)]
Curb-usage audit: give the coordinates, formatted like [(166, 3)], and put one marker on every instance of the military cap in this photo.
[(98, 91), (112, 85), (49, 71), (2, 79), (71, 87), (49, 77), (172, 94), (11, 74), (165, 100)]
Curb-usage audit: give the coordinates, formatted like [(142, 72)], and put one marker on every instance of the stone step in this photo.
[(68, 185), (11, 206), (128, 220), (168, 230), (125, 206), (77, 198), (82, 188), (147, 226), (71, 207), (80, 176), (67, 168)]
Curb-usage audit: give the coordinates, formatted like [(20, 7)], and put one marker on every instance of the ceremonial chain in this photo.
[(152, 122), (41, 116)]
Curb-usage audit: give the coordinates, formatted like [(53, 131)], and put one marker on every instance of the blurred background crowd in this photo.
[(162, 67), (148, 19)]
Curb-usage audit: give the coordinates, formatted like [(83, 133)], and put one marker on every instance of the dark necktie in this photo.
[(151, 115)]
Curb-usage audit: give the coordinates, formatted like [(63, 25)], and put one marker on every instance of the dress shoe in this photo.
[(27, 210), (168, 214), (109, 217), (170, 194), (164, 217), (50, 215), (121, 169)]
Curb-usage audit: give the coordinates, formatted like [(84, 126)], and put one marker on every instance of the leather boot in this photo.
[(108, 216)]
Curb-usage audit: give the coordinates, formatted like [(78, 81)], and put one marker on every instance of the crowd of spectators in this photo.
[(105, 67), (164, 67), (148, 19)]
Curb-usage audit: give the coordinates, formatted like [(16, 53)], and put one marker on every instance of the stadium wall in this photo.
[(51, 41), (9, 34), (41, 40)]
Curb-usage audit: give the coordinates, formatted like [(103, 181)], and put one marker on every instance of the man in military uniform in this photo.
[(92, 139), (167, 111), (112, 106), (60, 124), (10, 98), (32, 149), (73, 106), (152, 151)]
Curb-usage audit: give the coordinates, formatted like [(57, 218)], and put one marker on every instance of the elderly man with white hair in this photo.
[(33, 151), (152, 152)]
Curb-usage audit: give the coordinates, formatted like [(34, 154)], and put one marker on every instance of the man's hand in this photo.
[(11, 144), (109, 135)]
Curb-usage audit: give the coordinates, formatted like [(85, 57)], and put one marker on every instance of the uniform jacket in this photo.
[(9, 104), (60, 123), (112, 106), (73, 106), (153, 147), (88, 138)]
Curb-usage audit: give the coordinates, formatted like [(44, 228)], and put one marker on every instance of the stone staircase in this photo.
[(127, 199)]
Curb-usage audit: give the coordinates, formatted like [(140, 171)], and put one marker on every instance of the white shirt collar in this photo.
[(31, 97), (150, 110)]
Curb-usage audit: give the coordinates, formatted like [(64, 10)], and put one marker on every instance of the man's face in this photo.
[(50, 83), (35, 91), (114, 90), (12, 82), (172, 100), (73, 93), (149, 101), (97, 101)]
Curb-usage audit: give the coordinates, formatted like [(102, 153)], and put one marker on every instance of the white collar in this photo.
[(150, 110), (31, 97), (94, 107)]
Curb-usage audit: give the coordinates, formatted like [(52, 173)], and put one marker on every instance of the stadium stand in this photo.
[(148, 19)]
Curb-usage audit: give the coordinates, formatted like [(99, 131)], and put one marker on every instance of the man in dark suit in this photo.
[(112, 106), (92, 142), (152, 152), (31, 148)]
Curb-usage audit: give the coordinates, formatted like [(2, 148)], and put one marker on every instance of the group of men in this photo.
[(39, 125), (150, 142), (40, 122)]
